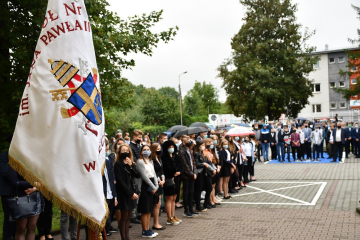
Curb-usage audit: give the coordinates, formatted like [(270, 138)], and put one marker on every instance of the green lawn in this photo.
[(55, 223)]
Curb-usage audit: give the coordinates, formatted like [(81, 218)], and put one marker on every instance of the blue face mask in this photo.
[(178, 144), (215, 142), (171, 150), (205, 136), (107, 154), (237, 138), (147, 153), (225, 146), (211, 146)]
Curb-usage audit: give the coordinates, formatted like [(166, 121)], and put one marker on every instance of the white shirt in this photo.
[(108, 188), (302, 137), (247, 149), (149, 169), (316, 135), (228, 155), (338, 135)]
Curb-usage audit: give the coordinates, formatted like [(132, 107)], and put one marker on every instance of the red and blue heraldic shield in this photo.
[(86, 98)]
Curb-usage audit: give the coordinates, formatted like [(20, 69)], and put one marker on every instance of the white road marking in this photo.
[(300, 202)]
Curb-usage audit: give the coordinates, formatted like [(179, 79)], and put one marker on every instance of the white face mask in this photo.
[(202, 148), (117, 146)]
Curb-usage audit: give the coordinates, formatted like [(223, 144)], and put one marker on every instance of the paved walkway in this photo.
[(289, 201)]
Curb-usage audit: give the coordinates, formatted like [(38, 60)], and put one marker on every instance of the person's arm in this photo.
[(224, 156), (185, 165), (140, 168), (120, 179), (197, 161), (12, 178)]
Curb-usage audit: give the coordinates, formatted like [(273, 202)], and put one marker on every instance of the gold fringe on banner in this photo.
[(56, 200), (103, 169)]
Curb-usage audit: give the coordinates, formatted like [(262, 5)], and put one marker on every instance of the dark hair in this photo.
[(141, 155), (197, 146)]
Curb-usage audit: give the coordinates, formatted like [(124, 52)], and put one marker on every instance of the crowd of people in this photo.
[(142, 177)]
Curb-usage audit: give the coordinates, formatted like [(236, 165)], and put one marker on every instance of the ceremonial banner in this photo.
[(59, 135)]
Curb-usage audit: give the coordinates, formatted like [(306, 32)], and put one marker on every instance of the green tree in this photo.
[(352, 67), (209, 95), (114, 38), (193, 104), (159, 109), (267, 72), (169, 91)]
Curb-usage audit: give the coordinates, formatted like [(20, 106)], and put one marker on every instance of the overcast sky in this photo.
[(206, 29)]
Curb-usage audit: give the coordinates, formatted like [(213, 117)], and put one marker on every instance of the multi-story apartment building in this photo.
[(325, 102)]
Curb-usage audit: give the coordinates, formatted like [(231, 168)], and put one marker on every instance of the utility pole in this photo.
[(181, 98)]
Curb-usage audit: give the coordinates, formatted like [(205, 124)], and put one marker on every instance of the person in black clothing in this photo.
[(135, 148), (189, 175), (44, 222), (158, 166), (5, 191), (228, 167), (200, 167), (125, 174), (135, 143), (171, 172), (273, 144), (18, 184)]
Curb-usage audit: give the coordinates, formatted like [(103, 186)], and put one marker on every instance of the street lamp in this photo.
[(181, 98)]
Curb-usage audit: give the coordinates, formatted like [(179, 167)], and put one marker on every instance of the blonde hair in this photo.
[(153, 149)]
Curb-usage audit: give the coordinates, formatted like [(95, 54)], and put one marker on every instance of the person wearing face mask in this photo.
[(189, 175), (149, 186), (265, 142), (248, 148), (307, 141), (135, 144), (302, 146), (317, 139), (287, 141), (295, 145), (126, 188), (272, 141), (172, 173), (200, 164), (279, 137), (155, 149), (228, 167), (218, 164), (348, 132), (338, 141), (178, 178), (257, 132), (330, 147), (201, 136), (356, 140)]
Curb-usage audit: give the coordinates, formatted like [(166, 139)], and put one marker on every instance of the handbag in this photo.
[(25, 206), (169, 182)]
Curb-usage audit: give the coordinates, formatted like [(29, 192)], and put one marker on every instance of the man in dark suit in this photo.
[(339, 138), (348, 133), (356, 140)]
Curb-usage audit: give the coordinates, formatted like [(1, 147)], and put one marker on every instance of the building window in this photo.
[(316, 108), (342, 105), (341, 59), (342, 84), (317, 64), (316, 87), (332, 105), (332, 85), (331, 60), (354, 68), (353, 81)]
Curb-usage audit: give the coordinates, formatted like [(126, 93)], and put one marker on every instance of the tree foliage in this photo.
[(267, 72), (114, 38), (352, 67)]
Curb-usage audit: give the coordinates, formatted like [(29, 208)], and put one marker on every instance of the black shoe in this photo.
[(228, 197), (329, 158), (135, 220), (232, 190), (195, 214), (130, 226), (289, 161), (187, 214), (333, 161), (218, 203), (112, 230), (162, 228), (213, 206), (108, 233), (201, 209)]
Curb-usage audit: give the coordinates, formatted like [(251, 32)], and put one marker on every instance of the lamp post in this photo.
[(181, 98)]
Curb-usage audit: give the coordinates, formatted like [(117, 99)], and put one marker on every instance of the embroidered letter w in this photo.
[(90, 165)]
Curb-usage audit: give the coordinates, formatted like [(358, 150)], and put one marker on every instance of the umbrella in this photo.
[(176, 128), (242, 125), (190, 130), (240, 131), (200, 124)]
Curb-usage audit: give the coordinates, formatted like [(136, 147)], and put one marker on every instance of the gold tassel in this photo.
[(103, 169), (56, 200)]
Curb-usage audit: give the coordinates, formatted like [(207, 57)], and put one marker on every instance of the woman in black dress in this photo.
[(172, 173), (158, 166), (125, 172), (228, 167)]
